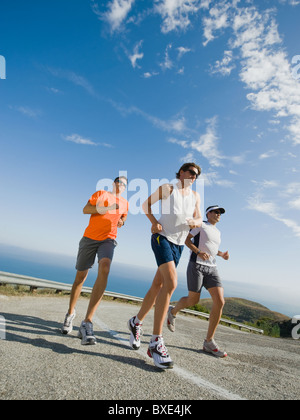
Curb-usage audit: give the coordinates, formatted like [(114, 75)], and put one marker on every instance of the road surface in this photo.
[(38, 363)]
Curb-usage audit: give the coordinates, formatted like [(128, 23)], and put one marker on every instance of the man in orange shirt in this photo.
[(108, 212)]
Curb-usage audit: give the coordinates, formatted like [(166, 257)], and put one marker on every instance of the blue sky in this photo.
[(96, 87)]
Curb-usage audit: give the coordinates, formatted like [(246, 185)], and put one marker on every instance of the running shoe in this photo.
[(159, 353), (67, 328), (171, 320), (135, 334), (86, 333), (213, 348)]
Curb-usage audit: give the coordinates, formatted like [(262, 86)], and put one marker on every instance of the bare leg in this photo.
[(99, 288), (169, 275), (185, 302), (150, 298), (217, 294), (76, 289)]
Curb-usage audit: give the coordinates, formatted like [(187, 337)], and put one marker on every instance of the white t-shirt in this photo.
[(207, 239)]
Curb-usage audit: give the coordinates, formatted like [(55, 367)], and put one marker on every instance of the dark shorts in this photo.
[(199, 276), (165, 251), (88, 249)]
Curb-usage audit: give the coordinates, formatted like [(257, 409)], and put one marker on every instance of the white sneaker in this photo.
[(86, 333), (213, 348), (135, 334), (67, 328), (159, 353), (171, 320)]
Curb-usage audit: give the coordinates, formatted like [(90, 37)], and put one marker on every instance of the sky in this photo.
[(92, 89)]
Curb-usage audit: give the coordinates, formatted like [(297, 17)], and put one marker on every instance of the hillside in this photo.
[(243, 310)]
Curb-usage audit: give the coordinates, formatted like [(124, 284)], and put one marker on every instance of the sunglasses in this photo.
[(217, 212), (193, 173)]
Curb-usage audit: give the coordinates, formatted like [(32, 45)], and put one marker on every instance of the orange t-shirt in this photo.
[(104, 226)]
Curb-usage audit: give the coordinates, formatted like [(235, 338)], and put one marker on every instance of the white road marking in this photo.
[(182, 373)]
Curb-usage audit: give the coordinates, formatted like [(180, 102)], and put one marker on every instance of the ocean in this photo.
[(131, 280), (123, 278)]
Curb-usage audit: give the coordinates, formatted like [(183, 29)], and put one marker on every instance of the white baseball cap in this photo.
[(212, 208)]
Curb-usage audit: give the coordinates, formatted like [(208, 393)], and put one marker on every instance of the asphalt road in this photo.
[(37, 362)]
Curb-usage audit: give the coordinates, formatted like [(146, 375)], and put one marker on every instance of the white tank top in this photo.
[(174, 211)]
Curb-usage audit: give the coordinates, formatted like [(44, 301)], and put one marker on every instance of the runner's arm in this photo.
[(203, 255), (122, 220), (224, 255), (161, 193), (91, 209), (197, 218)]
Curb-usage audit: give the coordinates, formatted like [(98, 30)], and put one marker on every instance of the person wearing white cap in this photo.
[(202, 271)]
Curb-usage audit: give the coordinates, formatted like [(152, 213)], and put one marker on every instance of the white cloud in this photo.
[(76, 138), (258, 203), (214, 178), (182, 51), (292, 188), (167, 64), (182, 143), (265, 184), (218, 19), (291, 2), (268, 155), (267, 72), (176, 124), (74, 78), (118, 11), (54, 90), (265, 68), (149, 74), (225, 66), (27, 111), (207, 144), (176, 13), (292, 192), (137, 55), (288, 194), (295, 203)]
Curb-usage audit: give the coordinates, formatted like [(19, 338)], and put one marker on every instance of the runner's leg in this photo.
[(150, 298), (185, 302), (217, 294), (169, 276), (99, 288), (76, 289)]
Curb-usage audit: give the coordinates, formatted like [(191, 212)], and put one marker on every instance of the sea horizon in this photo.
[(123, 278)]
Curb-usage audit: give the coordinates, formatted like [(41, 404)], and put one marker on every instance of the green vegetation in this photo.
[(236, 309), (253, 314)]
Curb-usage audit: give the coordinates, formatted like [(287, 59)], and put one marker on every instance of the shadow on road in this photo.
[(31, 330)]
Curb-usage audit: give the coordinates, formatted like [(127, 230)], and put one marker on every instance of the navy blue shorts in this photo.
[(165, 251)]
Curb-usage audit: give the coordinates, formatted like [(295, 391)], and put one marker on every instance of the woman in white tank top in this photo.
[(180, 212), (176, 211)]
